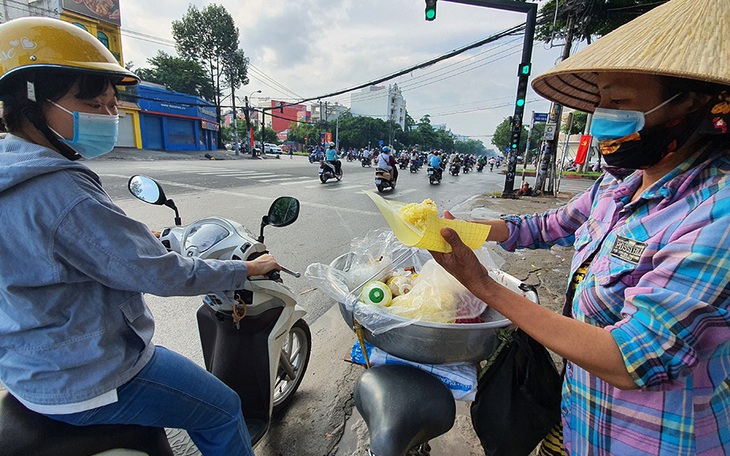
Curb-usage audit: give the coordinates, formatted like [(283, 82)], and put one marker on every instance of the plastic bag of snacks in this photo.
[(387, 285)]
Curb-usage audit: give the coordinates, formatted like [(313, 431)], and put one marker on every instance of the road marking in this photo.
[(238, 194), (347, 187), (284, 178), (257, 176), (303, 180), (226, 173)]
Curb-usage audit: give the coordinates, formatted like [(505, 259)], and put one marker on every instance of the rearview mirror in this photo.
[(147, 190), (283, 211)]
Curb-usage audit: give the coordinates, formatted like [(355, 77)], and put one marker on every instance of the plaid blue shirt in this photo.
[(659, 282)]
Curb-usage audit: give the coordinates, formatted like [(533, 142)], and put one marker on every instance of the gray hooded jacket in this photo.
[(73, 267)]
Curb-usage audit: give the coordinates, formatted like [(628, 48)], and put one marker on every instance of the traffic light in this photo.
[(525, 69), (281, 107), (430, 10), (521, 92), (516, 133)]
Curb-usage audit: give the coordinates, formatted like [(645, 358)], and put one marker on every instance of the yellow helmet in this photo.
[(40, 42)]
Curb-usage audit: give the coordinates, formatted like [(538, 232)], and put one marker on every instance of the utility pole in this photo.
[(263, 130), (235, 121), (523, 74), (556, 113), (248, 125)]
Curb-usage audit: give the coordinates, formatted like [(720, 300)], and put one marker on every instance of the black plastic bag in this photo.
[(518, 397)]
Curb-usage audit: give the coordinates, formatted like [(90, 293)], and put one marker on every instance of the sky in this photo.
[(304, 49)]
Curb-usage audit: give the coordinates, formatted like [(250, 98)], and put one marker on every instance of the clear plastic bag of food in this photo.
[(432, 295)]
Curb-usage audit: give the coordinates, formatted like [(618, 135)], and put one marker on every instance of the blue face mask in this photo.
[(94, 134), (618, 123)]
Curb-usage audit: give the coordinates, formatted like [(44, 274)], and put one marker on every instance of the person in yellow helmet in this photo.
[(75, 332)]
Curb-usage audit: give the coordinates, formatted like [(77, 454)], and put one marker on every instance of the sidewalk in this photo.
[(128, 153)]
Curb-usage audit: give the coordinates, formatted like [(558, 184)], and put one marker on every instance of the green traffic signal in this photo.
[(525, 69), (430, 10), (521, 102)]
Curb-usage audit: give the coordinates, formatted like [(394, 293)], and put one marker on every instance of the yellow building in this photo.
[(105, 25), (108, 33)]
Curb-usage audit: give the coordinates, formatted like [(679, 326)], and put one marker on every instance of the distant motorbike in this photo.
[(315, 157), (454, 169), (328, 171), (414, 166), (384, 180), (434, 175), (403, 163), (366, 161), (480, 167), (466, 169)]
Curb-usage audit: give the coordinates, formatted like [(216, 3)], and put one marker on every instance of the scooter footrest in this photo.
[(402, 407)]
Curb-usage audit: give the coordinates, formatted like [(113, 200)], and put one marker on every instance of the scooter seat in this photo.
[(24, 432), (403, 407)]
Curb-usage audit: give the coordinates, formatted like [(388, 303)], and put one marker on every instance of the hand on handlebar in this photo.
[(262, 265)]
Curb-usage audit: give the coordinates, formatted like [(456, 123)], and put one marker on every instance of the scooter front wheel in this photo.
[(293, 363)]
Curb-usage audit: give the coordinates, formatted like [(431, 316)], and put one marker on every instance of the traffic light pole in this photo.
[(524, 75)]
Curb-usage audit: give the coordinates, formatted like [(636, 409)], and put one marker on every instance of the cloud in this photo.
[(315, 48)]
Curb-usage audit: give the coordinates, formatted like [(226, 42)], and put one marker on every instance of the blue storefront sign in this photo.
[(175, 121)]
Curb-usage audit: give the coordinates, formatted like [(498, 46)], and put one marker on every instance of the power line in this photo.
[(422, 65)]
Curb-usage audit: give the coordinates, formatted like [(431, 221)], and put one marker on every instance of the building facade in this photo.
[(175, 121), (381, 103), (103, 21)]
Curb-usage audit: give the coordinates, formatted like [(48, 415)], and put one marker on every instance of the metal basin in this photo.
[(438, 343)]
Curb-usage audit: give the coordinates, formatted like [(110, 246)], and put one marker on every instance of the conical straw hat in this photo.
[(682, 38)]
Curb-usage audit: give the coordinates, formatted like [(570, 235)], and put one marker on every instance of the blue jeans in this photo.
[(174, 392)]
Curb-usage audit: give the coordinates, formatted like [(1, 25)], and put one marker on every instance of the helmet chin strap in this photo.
[(32, 113)]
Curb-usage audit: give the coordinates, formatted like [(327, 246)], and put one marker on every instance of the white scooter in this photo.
[(254, 340)]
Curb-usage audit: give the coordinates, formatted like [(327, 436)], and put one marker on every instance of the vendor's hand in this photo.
[(461, 263), (262, 264), (449, 216), (156, 234)]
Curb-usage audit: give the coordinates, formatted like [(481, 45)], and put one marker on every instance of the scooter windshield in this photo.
[(205, 236)]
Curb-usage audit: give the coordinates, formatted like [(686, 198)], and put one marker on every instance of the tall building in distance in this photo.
[(381, 103)]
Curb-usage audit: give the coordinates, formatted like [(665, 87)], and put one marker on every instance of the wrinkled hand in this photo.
[(461, 263), (261, 265)]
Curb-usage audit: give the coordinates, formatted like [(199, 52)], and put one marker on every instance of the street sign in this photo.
[(541, 117), (549, 131)]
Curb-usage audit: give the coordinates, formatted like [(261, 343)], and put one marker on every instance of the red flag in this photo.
[(582, 153), (250, 138)]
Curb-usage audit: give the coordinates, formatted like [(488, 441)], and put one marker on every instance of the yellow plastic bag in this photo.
[(472, 234)]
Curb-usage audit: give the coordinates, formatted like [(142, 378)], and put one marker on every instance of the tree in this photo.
[(298, 134), (210, 37), (579, 123), (470, 146), (424, 134), (591, 17), (503, 134), (178, 74), (270, 135)]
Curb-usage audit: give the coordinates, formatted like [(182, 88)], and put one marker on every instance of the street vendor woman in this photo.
[(647, 336)]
